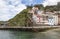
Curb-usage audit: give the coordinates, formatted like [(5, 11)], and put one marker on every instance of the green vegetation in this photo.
[(20, 19), (40, 6), (53, 8)]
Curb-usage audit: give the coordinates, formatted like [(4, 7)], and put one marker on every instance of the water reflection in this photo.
[(7, 34)]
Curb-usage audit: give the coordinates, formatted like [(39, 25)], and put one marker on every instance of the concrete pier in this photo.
[(30, 26), (33, 28)]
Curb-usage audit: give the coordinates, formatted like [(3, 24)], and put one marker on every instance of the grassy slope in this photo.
[(19, 19)]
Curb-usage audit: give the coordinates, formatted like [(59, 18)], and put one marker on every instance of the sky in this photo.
[(10, 8)]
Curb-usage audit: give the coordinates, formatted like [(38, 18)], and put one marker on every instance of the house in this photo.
[(45, 18)]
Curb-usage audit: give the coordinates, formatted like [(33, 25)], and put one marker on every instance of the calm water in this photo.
[(8, 34)]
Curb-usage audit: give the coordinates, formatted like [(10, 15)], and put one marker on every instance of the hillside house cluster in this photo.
[(45, 18)]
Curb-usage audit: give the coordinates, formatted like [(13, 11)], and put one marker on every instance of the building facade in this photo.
[(44, 18)]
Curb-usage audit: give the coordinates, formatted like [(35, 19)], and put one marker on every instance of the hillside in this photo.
[(19, 19)]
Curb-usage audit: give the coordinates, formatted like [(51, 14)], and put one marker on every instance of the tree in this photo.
[(58, 5), (29, 7), (40, 6), (51, 8)]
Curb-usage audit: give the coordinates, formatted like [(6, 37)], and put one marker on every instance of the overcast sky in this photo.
[(9, 8)]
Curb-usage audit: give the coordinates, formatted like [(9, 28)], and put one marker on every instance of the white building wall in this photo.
[(56, 19), (35, 19), (51, 20)]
